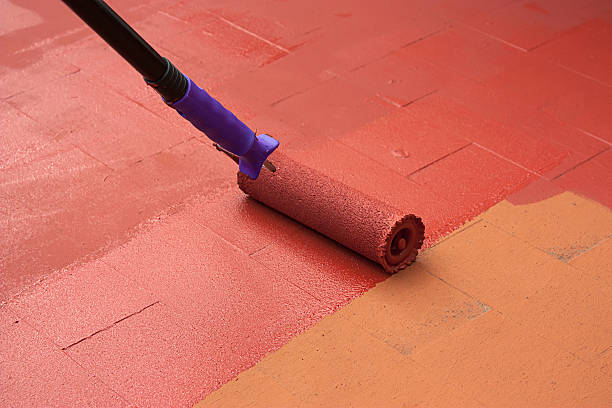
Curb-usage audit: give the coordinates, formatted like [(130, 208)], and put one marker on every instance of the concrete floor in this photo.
[(134, 272)]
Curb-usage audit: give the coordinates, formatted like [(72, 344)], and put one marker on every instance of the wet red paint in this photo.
[(529, 23), (598, 9), (23, 42), (468, 119), (505, 116), (591, 115), (592, 178), (460, 179), (22, 137), (158, 346), (539, 190), (409, 139), (220, 311), (465, 52), (569, 50), (337, 107), (70, 307), (253, 227), (56, 376), (578, 145), (398, 78), (80, 115), (437, 119)]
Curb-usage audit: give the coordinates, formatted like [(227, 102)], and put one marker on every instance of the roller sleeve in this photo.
[(359, 222)]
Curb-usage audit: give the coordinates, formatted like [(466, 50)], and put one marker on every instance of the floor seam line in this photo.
[(580, 164), (86, 153), (595, 245), (259, 250), (441, 158), (375, 161), (236, 247), (110, 326), (93, 374), (585, 75), (456, 232), (252, 34), (419, 98), (535, 173), (284, 98), (424, 37), (459, 290), (500, 40)]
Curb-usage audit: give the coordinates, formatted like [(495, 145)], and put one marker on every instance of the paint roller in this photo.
[(360, 222)]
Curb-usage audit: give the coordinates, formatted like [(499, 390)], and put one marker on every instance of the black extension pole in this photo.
[(178, 91), (156, 70)]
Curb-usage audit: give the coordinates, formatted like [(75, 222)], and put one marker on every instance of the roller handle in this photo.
[(177, 90), (131, 46)]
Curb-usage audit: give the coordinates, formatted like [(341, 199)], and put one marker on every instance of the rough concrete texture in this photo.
[(140, 274), (362, 223), (481, 319)]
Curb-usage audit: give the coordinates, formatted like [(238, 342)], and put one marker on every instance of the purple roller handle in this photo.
[(224, 128)]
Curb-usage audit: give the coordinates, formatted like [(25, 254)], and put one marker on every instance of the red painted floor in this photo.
[(129, 258)]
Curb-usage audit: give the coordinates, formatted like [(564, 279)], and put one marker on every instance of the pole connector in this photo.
[(172, 86)]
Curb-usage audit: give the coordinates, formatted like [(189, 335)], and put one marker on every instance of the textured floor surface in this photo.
[(493, 316), (134, 272)]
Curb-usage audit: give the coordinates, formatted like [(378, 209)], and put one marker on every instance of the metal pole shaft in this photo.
[(120, 36)]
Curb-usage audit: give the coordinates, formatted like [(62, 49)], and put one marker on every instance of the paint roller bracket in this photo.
[(236, 159)]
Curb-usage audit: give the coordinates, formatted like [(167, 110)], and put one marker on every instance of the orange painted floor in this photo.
[(510, 310), (133, 272)]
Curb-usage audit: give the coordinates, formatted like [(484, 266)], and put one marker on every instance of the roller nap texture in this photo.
[(372, 228)]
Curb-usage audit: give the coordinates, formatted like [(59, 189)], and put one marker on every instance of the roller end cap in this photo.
[(252, 161), (402, 244)]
